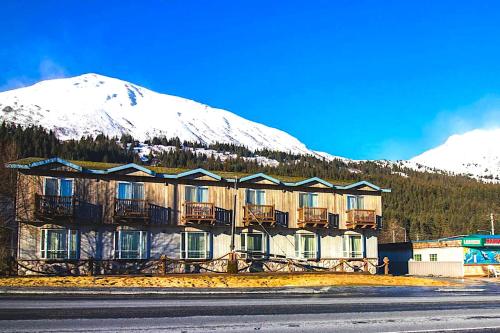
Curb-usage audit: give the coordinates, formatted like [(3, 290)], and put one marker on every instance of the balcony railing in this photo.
[(313, 216), (70, 208), (126, 209), (259, 214), (198, 212), (54, 206), (361, 218)]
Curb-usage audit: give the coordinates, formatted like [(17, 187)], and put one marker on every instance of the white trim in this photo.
[(346, 251), (184, 252), (143, 236), (244, 236), (43, 243), (299, 253)]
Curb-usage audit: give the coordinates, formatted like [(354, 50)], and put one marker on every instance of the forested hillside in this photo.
[(427, 205)]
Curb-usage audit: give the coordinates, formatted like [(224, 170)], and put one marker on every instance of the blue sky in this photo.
[(362, 79)]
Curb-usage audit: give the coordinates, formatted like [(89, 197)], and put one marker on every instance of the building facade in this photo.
[(472, 255), (78, 216)]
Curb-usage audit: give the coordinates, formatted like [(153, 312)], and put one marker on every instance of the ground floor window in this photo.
[(417, 257), (195, 245), (433, 257), (353, 246), (59, 244), (253, 245), (306, 246), (131, 244)]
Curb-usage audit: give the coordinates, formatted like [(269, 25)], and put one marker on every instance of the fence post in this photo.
[(232, 263), (386, 266), (91, 266), (163, 264), (365, 267)]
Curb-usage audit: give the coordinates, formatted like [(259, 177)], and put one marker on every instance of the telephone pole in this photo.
[(492, 219)]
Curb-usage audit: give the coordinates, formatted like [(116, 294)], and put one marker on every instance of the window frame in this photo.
[(143, 244), (197, 187), (299, 252), (417, 257), (184, 245), (433, 257), (247, 202), (254, 254), (59, 179), (346, 246), (44, 251), (357, 197), (131, 184), (309, 194)]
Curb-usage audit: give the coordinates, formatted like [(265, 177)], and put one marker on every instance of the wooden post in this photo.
[(163, 264), (342, 267), (91, 267), (386, 266), (365, 267), (232, 263)]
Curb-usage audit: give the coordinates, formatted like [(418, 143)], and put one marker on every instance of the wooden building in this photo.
[(77, 215)]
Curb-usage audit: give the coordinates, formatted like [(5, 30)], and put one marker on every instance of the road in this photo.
[(334, 309)]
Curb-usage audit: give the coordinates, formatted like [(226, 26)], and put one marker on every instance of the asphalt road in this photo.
[(336, 309)]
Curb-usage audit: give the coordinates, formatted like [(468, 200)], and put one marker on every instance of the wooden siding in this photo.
[(166, 193)]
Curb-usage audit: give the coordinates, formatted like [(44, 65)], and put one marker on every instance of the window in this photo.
[(134, 191), (417, 257), (308, 200), (131, 244), (196, 194), (353, 246), (253, 245), (59, 244), (195, 245), (433, 257), (306, 246), (58, 187), (355, 202), (255, 197)]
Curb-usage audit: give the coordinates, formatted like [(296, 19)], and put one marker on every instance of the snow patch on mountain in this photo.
[(475, 153), (92, 104)]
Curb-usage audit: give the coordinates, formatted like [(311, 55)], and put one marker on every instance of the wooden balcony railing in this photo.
[(67, 208), (361, 218), (258, 214), (313, 216), (131, 209), (198, 212), (53, 206)]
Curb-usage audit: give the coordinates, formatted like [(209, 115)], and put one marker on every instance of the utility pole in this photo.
[(393, 236), (232, 262), (492, 219)]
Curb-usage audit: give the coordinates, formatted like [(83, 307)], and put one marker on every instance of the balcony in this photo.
[(198, 212), (312, 216), (131, 210), (259, 214), (68, 208), (361, 218)]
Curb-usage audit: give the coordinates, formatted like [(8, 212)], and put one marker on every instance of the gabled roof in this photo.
[(311, 180), (259, 175), (55, 160), (179, 173), (131, 166), (199, 170), (360, 184)]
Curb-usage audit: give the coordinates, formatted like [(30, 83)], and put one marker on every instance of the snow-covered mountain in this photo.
[(91, 104), (475, 153)]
